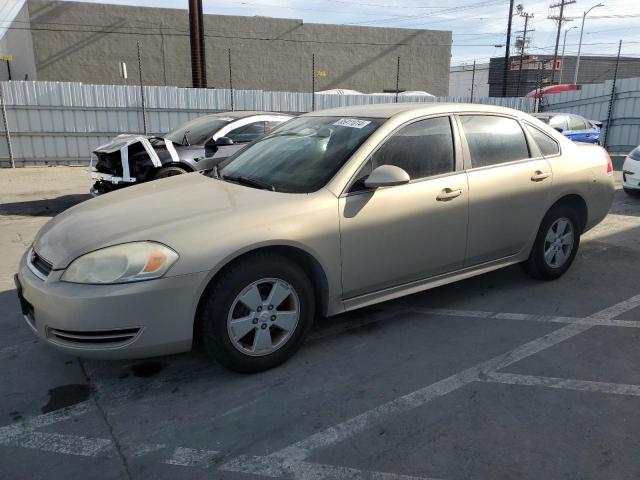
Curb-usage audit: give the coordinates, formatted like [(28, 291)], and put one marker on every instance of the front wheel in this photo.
[(556, 244), (257, 314), (633, 192)]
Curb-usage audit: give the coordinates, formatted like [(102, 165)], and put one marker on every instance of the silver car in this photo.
[(332, 211)]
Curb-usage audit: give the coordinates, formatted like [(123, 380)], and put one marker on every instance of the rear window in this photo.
[(548, 146)]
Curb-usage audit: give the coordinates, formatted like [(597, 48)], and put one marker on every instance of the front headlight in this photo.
[(128, 262)]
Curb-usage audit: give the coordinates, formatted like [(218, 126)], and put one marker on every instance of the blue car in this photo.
[(572, 126)]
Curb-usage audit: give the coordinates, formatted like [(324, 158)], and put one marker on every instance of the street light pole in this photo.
[(564, 44), (584, 16)]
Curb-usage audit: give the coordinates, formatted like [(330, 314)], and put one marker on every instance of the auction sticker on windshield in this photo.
[(352, 122)]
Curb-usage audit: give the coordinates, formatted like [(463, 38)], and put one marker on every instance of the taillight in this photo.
[(609, 163)]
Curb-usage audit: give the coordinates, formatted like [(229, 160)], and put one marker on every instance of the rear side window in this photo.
[(558, 121), (577, 123), (247, 133), (548, 146), (493, 140), (423, 149)]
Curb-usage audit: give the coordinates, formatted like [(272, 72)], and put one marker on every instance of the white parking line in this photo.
[(290, 462), (563, 383), (301, 450), (266, 467)]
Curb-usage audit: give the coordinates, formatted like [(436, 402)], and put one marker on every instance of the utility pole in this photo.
[(560, 18), (505, 73), (196, 39), (526, 16)]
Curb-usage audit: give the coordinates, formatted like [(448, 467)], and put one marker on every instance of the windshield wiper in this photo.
[(251, 182)]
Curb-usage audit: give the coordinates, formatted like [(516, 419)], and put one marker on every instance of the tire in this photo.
[(221, 303), (544, 269), (632, 192), (169, 171)]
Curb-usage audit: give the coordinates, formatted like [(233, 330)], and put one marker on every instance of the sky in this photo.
[(477, 25)]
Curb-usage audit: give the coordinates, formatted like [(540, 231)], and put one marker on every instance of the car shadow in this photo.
[(43, 208)]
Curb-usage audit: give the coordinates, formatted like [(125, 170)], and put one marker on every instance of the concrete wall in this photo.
[(85, 42), (460, 78), (17, 42)]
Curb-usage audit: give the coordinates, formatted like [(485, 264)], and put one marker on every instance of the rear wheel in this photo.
[(556, 244), (169, 171), (257, 314)]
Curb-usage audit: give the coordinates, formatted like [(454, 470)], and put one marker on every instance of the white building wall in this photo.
[(460, 81)]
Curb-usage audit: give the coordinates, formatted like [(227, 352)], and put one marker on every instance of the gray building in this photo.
[(462, 76), (86, 42), (537, 71)]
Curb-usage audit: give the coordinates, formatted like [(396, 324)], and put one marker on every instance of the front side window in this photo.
[(493, 140), (246, 133), (300, 156), (422, 149), (548, 146), (197, 131)]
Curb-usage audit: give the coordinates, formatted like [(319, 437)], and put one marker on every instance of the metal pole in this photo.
[(313, 82), (144, 107), (584, 16), (612, 97), (231, 81), (505, 72), (196, 39), (6, 127), (398, 79), (8, 68), (473, 79), (539, 87), (560, 20), (564, 44), (524, 41)]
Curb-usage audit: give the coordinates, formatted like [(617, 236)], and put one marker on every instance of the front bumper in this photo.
[(134, 320)]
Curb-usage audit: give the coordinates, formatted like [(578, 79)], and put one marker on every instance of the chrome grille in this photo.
[(109, 338)]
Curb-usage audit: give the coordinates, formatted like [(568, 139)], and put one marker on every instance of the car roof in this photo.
[(388, 110), (237, 114)]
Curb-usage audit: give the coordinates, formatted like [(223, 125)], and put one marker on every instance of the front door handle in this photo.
[(539, 176), (448, 194)]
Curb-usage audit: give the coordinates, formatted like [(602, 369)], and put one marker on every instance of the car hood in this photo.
[(157, 211)]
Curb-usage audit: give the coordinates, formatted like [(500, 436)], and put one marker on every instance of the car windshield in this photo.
[(197, 131), (635, 154), (301, 156)]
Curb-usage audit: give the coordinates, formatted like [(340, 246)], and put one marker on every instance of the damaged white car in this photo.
[(198, 144)]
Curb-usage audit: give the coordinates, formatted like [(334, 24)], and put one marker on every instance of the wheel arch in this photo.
[(304, 259), (578, 204)]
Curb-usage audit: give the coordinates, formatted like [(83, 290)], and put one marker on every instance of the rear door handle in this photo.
[(539, 176), (448, 194)]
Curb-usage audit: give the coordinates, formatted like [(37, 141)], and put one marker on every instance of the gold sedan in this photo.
[(332, 211)]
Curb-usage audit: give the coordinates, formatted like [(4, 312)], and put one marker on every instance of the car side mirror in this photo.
[(559, 129), (223, 142), (387, 176)]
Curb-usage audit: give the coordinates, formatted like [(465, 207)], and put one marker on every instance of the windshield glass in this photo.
[(635, 154), (197, 131), (302, 155)]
